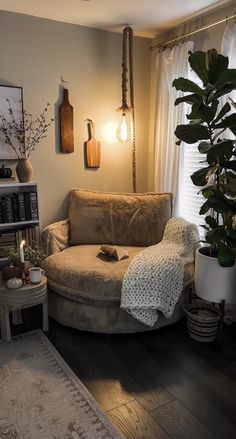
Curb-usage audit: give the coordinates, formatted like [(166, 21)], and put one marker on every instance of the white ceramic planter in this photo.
[(213, 282)]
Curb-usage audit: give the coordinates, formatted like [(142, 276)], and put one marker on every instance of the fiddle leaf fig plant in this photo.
[(209, 126)]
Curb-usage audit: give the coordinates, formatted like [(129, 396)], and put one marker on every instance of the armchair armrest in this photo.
[(55, 237)]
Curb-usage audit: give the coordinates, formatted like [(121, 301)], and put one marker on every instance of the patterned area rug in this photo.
[(41, 398)]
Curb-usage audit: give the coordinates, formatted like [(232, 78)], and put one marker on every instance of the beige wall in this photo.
[(207, 39), (34, 54)]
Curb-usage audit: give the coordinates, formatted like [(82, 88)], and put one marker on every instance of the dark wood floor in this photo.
[(156, 385)]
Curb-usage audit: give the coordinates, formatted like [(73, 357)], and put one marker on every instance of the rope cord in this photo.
[(131, 80), (124, 69), (127, 51)]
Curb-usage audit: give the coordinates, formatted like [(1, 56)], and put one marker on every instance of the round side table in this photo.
[(25, 297)]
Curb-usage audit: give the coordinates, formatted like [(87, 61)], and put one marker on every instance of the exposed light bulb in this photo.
[(123, 133)]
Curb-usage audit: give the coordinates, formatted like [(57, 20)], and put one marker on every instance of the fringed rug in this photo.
[(41, 398)]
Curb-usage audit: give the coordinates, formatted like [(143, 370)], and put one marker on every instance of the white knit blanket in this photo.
[(154, 279)]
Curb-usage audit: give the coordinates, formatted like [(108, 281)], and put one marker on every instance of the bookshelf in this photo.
[(19, 215)]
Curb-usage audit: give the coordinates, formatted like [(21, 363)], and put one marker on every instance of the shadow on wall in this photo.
[(63, 208), (57, 119)]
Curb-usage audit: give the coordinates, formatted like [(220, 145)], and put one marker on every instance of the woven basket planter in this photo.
[(203, 321)]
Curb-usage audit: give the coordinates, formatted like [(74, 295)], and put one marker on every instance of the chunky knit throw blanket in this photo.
[(154, 279)]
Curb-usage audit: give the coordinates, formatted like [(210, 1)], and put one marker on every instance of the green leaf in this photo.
[(200, 177), (220, 92), (207, 112), (225, 109), (192, 133), (204, 209), (204, 147), (195, 113), (197, 61), (226, 256), (230, 186), (208, 191), (220, 151), (189, 99), (232, 234), (227, 122), (211, 221), (231, 164), (216, 64), (216, 235), (219, 203), (188, 86), (226, 77), (202, 112)]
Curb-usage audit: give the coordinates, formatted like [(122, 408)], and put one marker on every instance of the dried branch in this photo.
[(23, 136)]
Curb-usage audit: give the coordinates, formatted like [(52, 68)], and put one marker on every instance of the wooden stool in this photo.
[(25, 297)]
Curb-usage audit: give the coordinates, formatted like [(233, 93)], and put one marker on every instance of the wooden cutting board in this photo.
[(92, 148), (66, 124)]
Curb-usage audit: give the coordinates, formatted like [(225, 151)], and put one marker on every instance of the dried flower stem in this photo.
[(23, 136)]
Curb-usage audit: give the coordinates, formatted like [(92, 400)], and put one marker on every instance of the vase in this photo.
[(213, 282), (24, 170)]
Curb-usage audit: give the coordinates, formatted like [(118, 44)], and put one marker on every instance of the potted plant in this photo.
[(23, 137), (209, 126), (34, 257)]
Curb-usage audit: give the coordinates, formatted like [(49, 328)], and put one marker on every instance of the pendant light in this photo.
[(126, 128)]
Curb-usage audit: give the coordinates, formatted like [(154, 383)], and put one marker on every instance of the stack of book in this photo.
[(30, 234), (12, 239), (7, 242), (19, 206)]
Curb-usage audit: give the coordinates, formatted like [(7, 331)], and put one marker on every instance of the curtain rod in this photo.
[(165, 43)]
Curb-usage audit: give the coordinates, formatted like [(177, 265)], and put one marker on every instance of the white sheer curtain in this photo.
[(228, 48), (171, 64)]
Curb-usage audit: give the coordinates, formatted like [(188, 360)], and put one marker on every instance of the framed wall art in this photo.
[(15, 97)]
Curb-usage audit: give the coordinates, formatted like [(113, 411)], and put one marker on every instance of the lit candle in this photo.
[(22, 257)]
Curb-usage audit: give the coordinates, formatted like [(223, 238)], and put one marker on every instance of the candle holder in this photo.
[(25, 266)]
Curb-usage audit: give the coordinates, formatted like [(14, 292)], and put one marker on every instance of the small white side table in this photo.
[(25, 297)]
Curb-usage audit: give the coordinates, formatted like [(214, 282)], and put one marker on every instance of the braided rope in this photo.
[(133, 137), (124, 68), (127, 45)]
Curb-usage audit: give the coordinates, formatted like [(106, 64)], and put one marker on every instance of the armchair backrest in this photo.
[(115, 218)]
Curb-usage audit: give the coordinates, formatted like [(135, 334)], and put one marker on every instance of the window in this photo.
[(190, 200)]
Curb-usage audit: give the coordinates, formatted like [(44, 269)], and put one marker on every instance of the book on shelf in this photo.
[(30, 234), (31, 205), (21, 205), (7, 242), (7, 209), (15, 208)]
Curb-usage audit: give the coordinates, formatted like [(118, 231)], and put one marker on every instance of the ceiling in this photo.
[(148, 18)]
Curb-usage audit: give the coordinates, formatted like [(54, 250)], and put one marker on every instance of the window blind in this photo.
[(190, 200)]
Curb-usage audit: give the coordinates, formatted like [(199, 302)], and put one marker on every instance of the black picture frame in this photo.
[(15, 96)]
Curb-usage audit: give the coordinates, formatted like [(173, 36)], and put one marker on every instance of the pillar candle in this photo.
[(22, 257)]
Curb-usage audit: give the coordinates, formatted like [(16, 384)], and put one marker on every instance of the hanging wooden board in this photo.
[(66, 124), (92, 148)]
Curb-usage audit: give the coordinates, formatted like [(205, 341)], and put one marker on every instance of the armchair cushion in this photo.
[(55, 237), (120, 219), (76, 273)]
